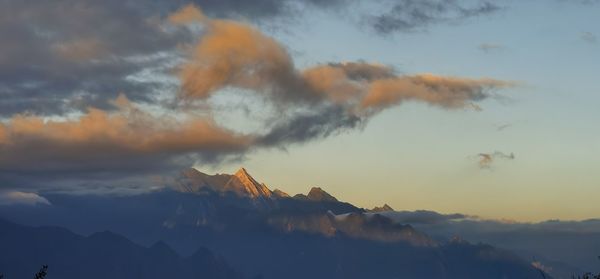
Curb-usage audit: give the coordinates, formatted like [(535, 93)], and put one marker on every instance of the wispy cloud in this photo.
[(409, 15)]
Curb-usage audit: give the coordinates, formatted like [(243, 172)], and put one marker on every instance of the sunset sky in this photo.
[(488, 108)]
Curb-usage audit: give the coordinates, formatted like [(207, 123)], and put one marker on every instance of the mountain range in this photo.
[(100, 255), (258, 232)]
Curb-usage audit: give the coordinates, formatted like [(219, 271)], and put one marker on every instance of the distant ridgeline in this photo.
[(254, 232)]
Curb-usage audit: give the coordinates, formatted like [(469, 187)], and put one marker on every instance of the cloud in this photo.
[(589, 37), (21, 198), (486, 160), (58, 53), (410, 15), (328, 97), (423, 217), (127, 137), (126, 140)]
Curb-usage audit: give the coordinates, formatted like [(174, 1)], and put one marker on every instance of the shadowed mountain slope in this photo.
[(100, 255)]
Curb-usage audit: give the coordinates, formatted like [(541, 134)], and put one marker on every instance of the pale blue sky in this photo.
[(418, 157)]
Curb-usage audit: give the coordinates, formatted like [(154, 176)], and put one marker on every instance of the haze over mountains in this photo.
[(257, 231)]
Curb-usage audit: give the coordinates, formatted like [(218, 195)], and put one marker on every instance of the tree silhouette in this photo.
[(42, 273), (588, 275), (39, 275)]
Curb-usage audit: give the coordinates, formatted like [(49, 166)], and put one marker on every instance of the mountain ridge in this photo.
[(241, 183)]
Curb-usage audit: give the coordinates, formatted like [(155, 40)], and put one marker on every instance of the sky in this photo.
[(486, 108)]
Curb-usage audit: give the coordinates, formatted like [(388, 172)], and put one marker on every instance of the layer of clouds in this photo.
[(125, 137), (21, 198), (423, 217)]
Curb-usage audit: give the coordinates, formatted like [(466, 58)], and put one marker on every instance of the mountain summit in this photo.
[(384, 208), (241, 183), (244, 184), (318, 194)]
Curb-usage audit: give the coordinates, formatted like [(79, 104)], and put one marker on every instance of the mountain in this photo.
[(241, 183), (280, 194), (100, 255), (316, 194), (273, 236), (562, 248), (384, 208)]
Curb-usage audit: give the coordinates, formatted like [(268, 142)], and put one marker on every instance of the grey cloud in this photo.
[(57, 52), (308, 126), (260, 9), (413, 15)]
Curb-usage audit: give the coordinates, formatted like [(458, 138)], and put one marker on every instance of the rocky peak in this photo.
[(318, 194), (191, 180), (240, 183), (280, 194)]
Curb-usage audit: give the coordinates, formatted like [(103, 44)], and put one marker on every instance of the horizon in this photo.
[(394, 206)]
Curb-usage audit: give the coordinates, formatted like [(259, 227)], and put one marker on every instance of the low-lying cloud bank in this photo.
[(128, 137), (21, 198)]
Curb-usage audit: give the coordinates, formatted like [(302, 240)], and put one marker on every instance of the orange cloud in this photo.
[(232, 54), (448, 92), (187, 14), (32, 142)]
